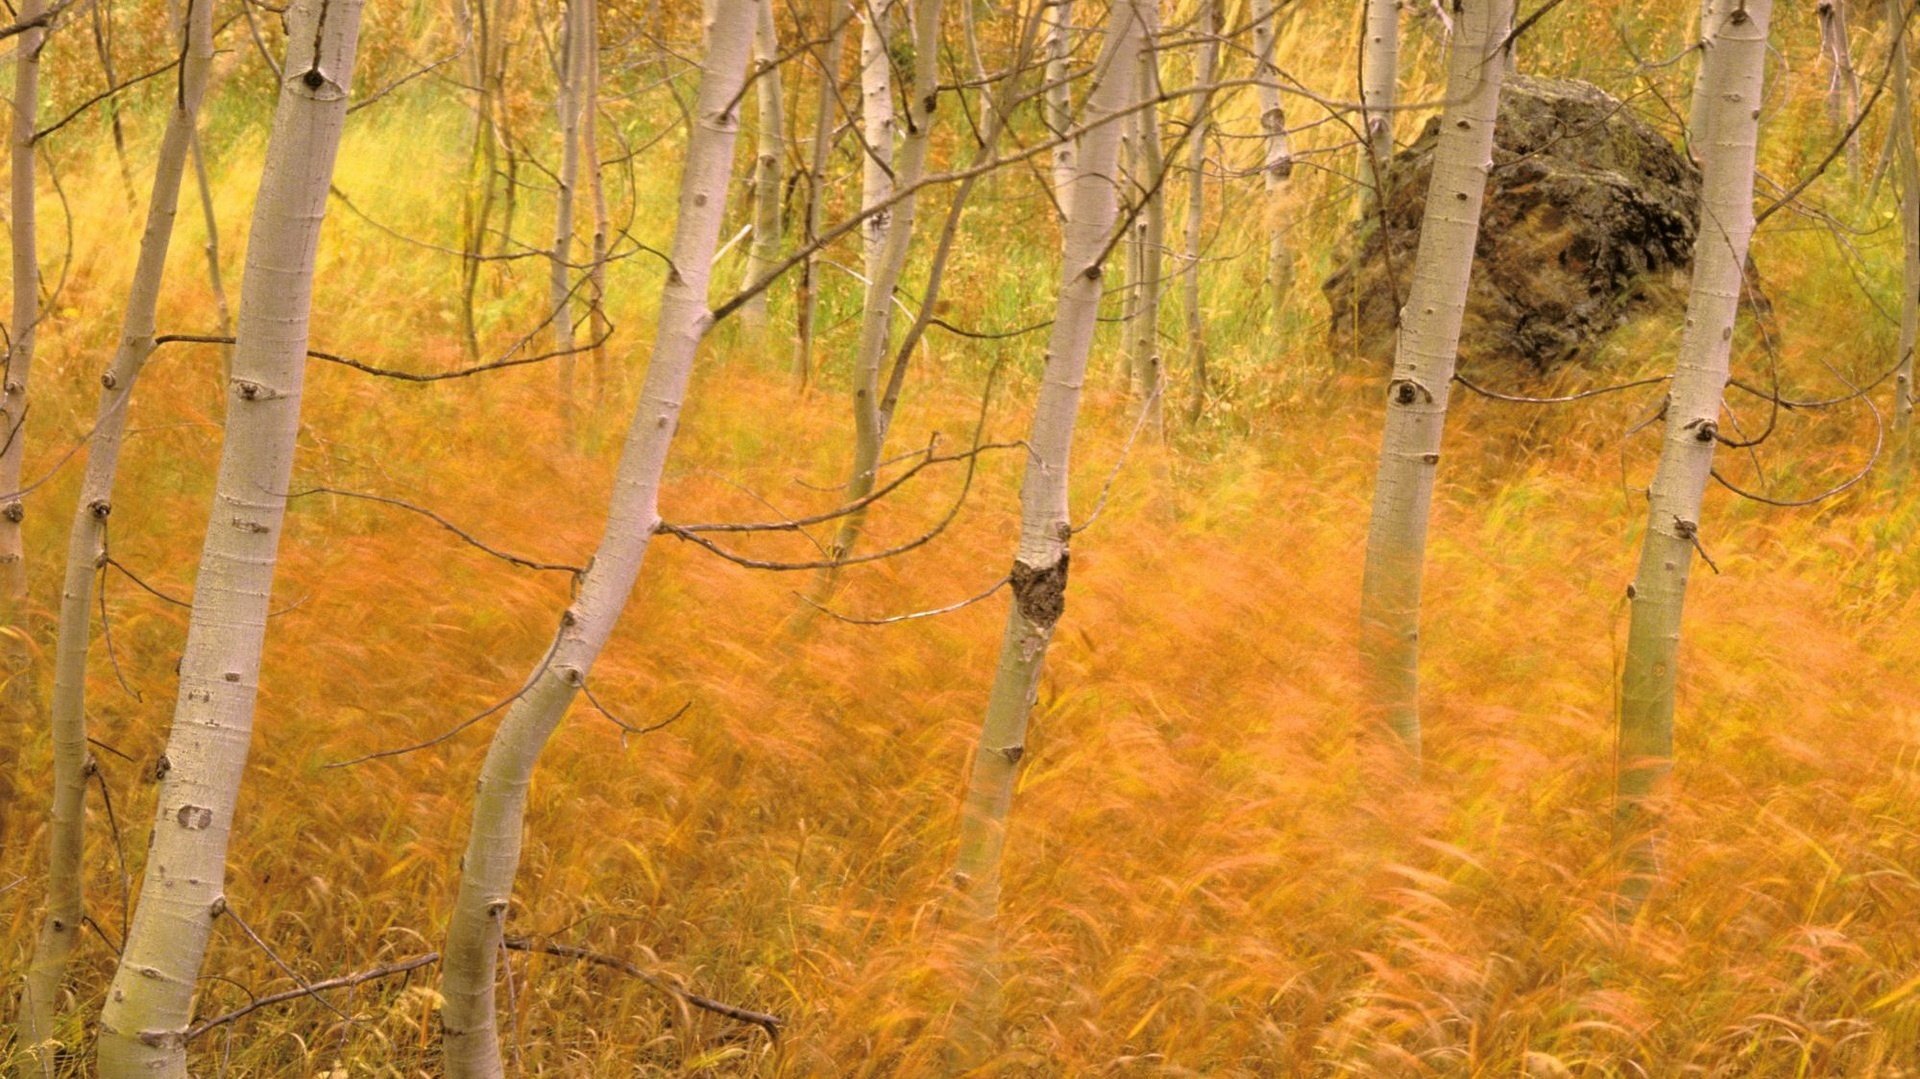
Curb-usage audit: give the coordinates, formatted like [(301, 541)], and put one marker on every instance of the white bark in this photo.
[(1423, 366), (1698, 112), (1277, 159), (1057, 110), (1150, 227), (572, 67), (143, 1028), (1843, 83), (870, 419), (809, 299), (493, 846), (1203, 69), (1907, 181), (23, 327), (770, 142), (597, 190), (1041, 559), (1736, 69), (212, 246), (86, 544), (1379, 72), (876, 124)]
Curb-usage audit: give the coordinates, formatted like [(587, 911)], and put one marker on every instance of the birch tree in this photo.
[(872, 413), (572, 64), (1039, 573), (1150, 226), (1699, 112), (770, 141), (817, 150), (1907, 183), (1736, 67), (493, 846), (1843, 83), (1277, 154), (24, 330), (87, 543), (1423, 365), (143, 1029), (876, 125), (1379, 74), (1204, 64), (1057, 107)]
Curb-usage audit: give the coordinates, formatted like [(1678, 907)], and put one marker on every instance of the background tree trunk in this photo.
[(1423, 368), (572, 68), (1736, 68), (24, 330), (1907, 183), (492, 857), (1207, 59), (1057, 109), (771, 142), (143, 1029), (1277, 160), (87, 543), (817, 151)]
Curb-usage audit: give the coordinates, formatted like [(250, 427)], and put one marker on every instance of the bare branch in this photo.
[(767, 1022)]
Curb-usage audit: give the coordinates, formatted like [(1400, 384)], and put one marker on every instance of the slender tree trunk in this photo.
[(212, 247), (1039, 574), (86, 547), (809, 298), (771, 142), (970, 37), (1203, 69), (143, 1029), (876, 125), (1150, 228), (476, 211), (1277, 159), (1843, 85), (870, 419), (1736, 68), (24, 328), (597, 324), (1907, 178), (1423, 367), (1057, 109), (103, 44), (572, 67), (1379, 74), (493, 847)]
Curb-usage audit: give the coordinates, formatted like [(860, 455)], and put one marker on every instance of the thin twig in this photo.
[(469, 538), (765, 1021), (891, 619), (314, 989)]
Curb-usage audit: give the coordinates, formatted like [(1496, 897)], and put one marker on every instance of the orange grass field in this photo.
[(1205, 876)]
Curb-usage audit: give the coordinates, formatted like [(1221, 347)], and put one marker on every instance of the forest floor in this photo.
[(1205, 874)]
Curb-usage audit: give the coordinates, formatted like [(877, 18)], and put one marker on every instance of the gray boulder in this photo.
[(1589, 221)]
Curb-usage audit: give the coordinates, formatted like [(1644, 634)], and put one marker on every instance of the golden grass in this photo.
[(1206, 876)]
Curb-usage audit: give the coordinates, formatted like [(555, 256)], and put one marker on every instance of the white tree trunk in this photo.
[(1423, 367), (597, 326), (86, 544), (809, 298), (870, 419), (1057, 110), (143, 1029), (1736, 68), (1379, 74), (1843, 83), (576, 40), (493, 846), (23, 329), (1150, 227), (1907, 181), (212, 247), (876, 124), (1039, 574), (770, 141), (1203, 68), (1698, 112), (1277, 158)]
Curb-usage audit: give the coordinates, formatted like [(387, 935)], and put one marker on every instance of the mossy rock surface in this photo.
[(1589, 221)]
